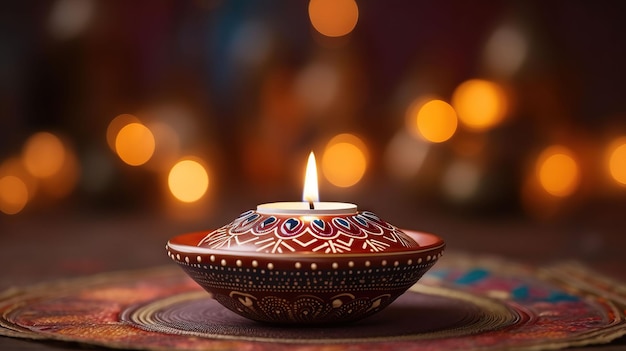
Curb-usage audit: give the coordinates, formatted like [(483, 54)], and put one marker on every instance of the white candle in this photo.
[(304, 208)]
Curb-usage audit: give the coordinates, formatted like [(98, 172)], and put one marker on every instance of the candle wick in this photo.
[(311, 205)]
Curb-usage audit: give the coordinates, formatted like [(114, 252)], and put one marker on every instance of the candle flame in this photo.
[(310, 192)]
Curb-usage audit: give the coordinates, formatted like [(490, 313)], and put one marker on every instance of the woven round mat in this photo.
[(422, 313)]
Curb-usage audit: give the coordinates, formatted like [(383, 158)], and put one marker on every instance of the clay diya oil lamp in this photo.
[(306, 262)]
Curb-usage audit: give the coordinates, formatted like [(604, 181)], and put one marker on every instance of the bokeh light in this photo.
[(167, 144), (134, 144), (344, 160), (63, 182), (410, 115), (617, 160), (333, 18), (68, 18), (461, 180), (506, 50), (13, 195), (436, 121), (14, 166), (480, 104), (557, 171), (318, 86), (405, 155), (116, 125), (188, 180), (43, 154)]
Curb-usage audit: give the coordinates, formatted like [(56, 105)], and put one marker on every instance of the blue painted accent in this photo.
[(342, 222), (246, 213), (253, 217), (370, 215), (268, 221), (473, 276), (360, 219), (291, 223), (319, 223)]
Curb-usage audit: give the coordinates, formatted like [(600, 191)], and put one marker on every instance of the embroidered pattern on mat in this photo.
[(540, 308)]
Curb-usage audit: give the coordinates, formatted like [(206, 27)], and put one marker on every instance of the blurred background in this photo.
[(490, 122)]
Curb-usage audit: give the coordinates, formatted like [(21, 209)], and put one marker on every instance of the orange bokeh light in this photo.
[(63, 182), (436, 121), (188, 180), (344, 160), (43, 155), (617, 160), (14, 166), (116, 125), (13, 195), (135, 144), (480, 104), (557, 171), (333, 18)]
